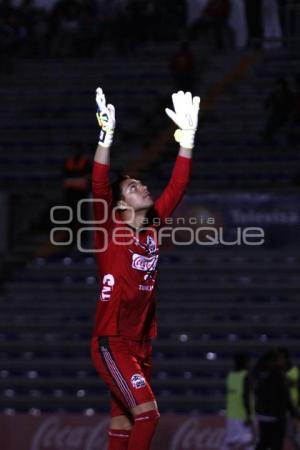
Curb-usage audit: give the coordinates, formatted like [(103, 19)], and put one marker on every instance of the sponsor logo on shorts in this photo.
[(138, 381), (144, 263)]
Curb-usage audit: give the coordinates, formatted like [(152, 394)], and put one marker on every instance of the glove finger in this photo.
[(196, 102), (99, 119), (111, 110), (178, 98), (174, 100), (182, 103), (172, 115), (188, 99), (104, 100), (100, 99), (99, 94)]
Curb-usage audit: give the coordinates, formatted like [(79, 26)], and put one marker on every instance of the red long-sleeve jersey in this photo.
[(127, 259)]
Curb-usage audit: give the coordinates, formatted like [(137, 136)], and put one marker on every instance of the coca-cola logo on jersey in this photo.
[(144, 263), (53, 434), (192, 435)]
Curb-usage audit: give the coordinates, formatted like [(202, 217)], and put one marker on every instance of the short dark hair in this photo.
[(116, 189)]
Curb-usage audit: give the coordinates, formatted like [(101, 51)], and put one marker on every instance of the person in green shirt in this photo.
[(273, 401), (240, 429), (292, 373)]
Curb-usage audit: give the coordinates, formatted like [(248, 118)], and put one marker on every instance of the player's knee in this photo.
[(120, 423), (149, 418)]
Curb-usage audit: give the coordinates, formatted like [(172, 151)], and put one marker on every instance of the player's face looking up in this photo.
[(135, 194)]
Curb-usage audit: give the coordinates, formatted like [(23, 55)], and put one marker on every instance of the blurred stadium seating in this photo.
[(211, 303)]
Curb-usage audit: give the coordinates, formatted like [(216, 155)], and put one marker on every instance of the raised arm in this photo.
[(185, 116), (100, 179), (107, 122)]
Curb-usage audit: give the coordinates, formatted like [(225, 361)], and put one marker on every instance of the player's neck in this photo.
[(135, 221)]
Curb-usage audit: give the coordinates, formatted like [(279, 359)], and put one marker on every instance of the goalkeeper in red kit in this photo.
[(127, 260)]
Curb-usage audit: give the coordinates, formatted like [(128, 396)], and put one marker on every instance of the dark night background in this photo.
[(243, 60)]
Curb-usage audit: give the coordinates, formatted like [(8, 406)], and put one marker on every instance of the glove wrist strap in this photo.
[(185, 138), (105, 138)]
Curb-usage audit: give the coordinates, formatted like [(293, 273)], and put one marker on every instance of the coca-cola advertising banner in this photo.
[(79, 432)]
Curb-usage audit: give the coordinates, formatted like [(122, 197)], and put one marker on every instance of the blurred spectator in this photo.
[(237, 22), (143, 21), (279, 105), (121, 33), (217, 12), (175, 14), (89, 32), (263, 19), (254, 21), (76, 183), (282, 14), (214, 16), (293, 378), (149, 20), (292, 374), (11, 34), (271, 24), (273, 401), (240, 432), (35, 23), (135, 24), (129, 28), (66, 23), (68, 28), (289, 17), (183, 68)]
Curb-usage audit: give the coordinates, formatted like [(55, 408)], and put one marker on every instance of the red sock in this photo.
[(143, 430), (118, 439)]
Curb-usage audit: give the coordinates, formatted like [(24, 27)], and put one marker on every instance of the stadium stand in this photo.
[(216, 303), (210, 302)]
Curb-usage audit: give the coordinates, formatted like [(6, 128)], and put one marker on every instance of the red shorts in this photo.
[(125, 367)]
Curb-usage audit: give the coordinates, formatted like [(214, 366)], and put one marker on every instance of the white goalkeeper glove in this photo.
[(106, 119), (185, 116)]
